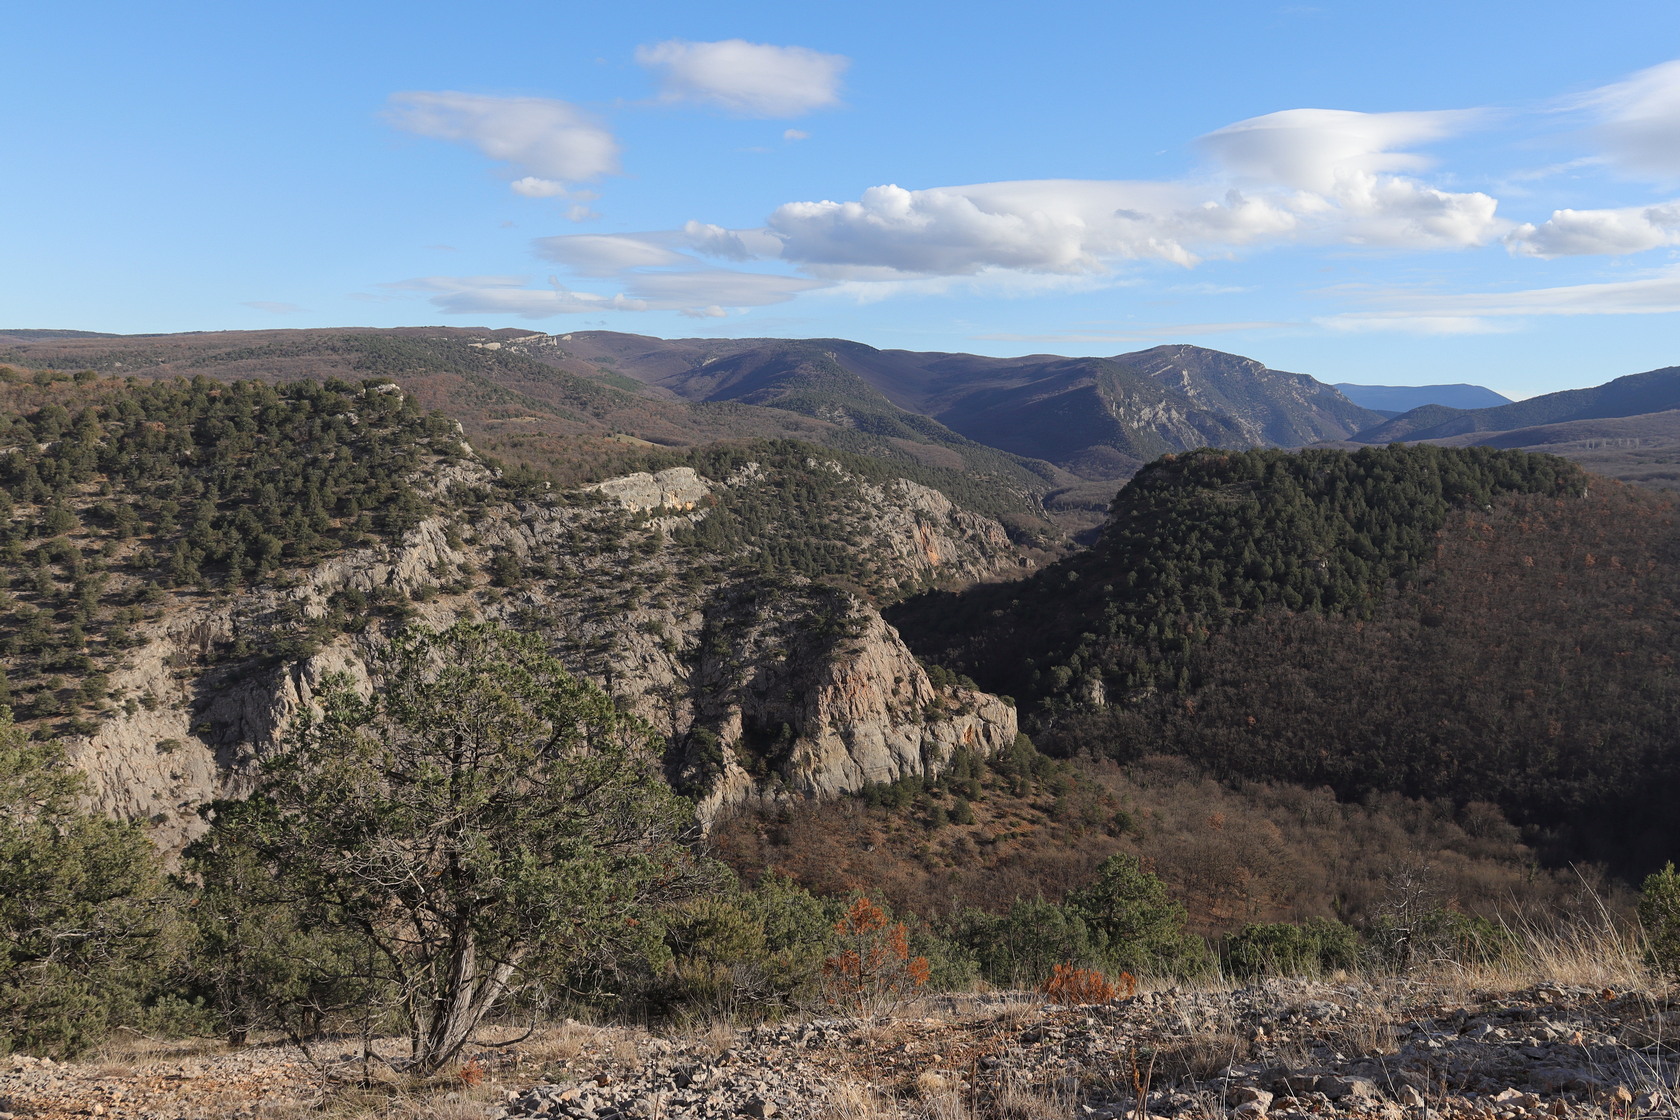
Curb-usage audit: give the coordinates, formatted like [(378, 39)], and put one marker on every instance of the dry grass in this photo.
[(1600, 952), (942, 1097), (443, 1105), (708, 1033), (1023, 1099), (1199, 1056), (855, 1100)]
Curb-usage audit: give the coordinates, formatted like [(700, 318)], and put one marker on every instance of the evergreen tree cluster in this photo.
[(141, 487), (1197, 542)]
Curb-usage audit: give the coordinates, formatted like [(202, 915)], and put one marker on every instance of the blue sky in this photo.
[(1375, 193)]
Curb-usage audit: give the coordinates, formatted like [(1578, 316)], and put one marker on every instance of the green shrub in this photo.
[(738, 950), (1659, 913), (87, 922), (1143, 929), (1286, 949), (1019, 948), (1437, 934)]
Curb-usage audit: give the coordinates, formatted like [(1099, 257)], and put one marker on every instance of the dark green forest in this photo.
[(1443, 623)]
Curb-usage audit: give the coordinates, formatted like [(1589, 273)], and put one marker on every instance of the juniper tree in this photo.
[(482, 819), (86, 919)]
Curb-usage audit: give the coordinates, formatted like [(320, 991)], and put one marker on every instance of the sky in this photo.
[(1383, 194)]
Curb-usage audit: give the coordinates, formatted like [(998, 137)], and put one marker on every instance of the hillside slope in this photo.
[(1469, 624), (185, 561), (1097, 417), (524, 398)]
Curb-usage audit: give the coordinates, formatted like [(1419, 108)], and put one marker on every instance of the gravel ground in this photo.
[(1391, 1050)]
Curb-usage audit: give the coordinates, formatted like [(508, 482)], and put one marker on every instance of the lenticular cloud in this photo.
[(552, 142), (752, 79)]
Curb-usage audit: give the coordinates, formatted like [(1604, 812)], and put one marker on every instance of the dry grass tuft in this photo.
[(942, 1096), (854, 1100), (1028, 1100), (1199, 1056)]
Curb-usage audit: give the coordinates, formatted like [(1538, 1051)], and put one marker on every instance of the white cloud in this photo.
[(792, 134), (1402, 323), (1058, 226), (1343, 165), (1629, 229), (532, 187), (680, 291), (1639, 120), (730, 244), (750, 79), (1314, 149), (700, 293), (1085, 226), (1389, 211), (606, 254), (550, 143), (1306, 175), (1471, 312)]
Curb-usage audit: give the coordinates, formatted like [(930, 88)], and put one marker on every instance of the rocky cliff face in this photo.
[(1268, 408), (769, 686)]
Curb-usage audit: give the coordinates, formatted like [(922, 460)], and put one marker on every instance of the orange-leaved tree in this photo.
[(874, 962)]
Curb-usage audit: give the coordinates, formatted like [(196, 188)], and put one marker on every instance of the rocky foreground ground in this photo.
[(1393, 1050)]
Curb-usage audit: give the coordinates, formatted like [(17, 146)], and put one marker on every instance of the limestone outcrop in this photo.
[(768, 686)]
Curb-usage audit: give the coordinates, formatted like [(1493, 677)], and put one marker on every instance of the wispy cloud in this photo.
[(1639, 121), (549, 144), (708, 293), (749, 79), (273, 307), (1136, 334), (1481, 312)]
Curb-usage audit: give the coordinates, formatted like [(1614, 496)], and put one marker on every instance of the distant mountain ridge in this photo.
[(1396, 399), (1637, 394), (1096, 417), (1051, 435)]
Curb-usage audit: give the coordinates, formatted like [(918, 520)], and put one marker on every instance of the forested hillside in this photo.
[(1460, 624), (112, 493)]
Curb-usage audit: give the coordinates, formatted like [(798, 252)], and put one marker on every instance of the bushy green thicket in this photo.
[(89, 928), (1286, 949), (227, 481), (1659, 913), (1121, 921)]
